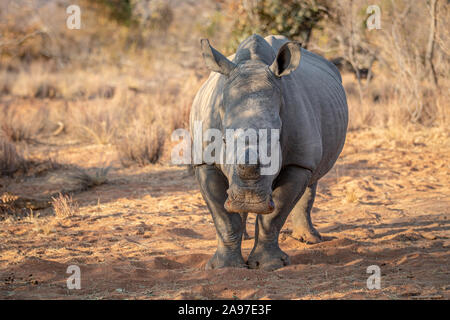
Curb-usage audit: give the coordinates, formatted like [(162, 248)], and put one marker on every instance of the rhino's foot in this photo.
[(307, 235), (268, 257), (224, 259)]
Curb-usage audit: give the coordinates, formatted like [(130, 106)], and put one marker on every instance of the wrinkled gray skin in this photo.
[(269, 83)]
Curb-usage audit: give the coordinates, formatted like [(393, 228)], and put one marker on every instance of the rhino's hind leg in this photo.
[(213, 186), (244, 225), (289, 187), (303, 228)]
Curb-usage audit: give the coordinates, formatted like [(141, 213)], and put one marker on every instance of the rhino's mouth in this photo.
[(249, 200)]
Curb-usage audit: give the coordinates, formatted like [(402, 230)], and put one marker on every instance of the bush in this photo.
[(64, 206), (96, 122), (142, 144), (21, 124), (292, 18), (119, 10), (10, 160)]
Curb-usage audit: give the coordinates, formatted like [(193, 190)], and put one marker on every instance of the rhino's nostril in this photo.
[(246, 167), (248, 171), (271, 204)]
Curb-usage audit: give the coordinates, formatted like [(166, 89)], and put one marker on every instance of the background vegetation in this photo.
[(127, 78)]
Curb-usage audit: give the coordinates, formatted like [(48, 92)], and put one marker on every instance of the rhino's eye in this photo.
[(224, 140)]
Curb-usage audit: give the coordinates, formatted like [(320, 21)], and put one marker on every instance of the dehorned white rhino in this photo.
[(271, 84)]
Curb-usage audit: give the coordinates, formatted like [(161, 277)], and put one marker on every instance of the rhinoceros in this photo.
[(269, 83)]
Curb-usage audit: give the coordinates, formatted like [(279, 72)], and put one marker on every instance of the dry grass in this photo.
[(94, 122), (10, 160), (33, 82), (142, 144), (350, 196), (43, 226), (384, 108), (64, 206), (85, 180), (138, 121), (14, 163), (21, 124), (117, 90)]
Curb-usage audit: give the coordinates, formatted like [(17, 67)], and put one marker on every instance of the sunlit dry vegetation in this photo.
[(394, 76), (127, 78), (10, 160), (133, 66), (64, 206), (119, 80)]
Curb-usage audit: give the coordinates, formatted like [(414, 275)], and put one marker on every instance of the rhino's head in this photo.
[(252, 100)]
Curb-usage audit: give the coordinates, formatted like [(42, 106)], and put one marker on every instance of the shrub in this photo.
[(142, 144), (291, 18), (96, 121), (21, 124), (84, 180), (64, 206), (10, 160)]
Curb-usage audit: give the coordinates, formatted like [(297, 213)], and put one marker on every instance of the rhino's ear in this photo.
[(214, 60), (287, 60)]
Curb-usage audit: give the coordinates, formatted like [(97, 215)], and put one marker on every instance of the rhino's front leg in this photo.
[(289, 187), (213, 186)]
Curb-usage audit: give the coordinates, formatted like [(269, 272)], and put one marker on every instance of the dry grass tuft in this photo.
[(95, 122), (141, 144), (10, 160), (21, 124), (13, 163), (351, 196), (84, 180), (64, 206), (45, 227)]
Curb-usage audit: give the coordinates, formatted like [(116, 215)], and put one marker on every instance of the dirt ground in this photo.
[(147, 234)]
